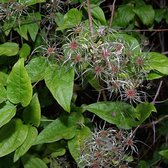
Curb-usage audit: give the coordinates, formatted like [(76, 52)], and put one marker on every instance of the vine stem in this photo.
[(153, 122), (90, 19), (145, 30), (157, 93), (112, 13)]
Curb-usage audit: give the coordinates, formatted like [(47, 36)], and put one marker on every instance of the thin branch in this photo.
[(144, 30), (153, 122), (165, 52), (90, 19), (112, 13), (157, 93), (162, 41)]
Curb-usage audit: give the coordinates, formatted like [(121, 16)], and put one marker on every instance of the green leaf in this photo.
[(143, 164), (57, 148), (158, 62), (59, 19), (3, 78), (61, 128), (144, 110), (93, 81), (25, 51), (124, 15), (33, 28), (31, 2), (12, 135), (119, 113), (31, 136), (58, 152), (3, 94), (146, 14), (7, 26), (22, 31), (164, 153), (154, 75), (4, 1), (32, 113), (9, 49), (60, 83), (98, 13), (30, 161), (36, 68), (166, 17), (19, 88), (7, 112), (71, 19), (76, 144), (159, 14)]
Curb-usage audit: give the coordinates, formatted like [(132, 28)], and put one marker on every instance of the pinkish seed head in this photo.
[(73, 45), (114, 69), (139, 61), (105, 53), (131, 93), (77, 58), (98, 70)]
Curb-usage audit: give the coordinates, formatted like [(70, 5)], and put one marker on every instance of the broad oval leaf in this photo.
[(119, 113), (30, 161), (36, 68), (60, 83), (7, 112), (22, 31), (32, 113), (12, 135), (33, 28), (19, 88), (31, 136), (24, 51), (158, 62), (146, 14), (61, 128), (71, 19), (76, 144), (59, 19), (98, 13), (159, 14), (3, 94), (9, 49), (144, 110), (124, 15)]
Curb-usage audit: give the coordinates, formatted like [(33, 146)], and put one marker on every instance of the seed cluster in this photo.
[(12, 11), (113, 62), (108, 148)]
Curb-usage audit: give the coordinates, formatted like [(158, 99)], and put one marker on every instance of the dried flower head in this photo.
[(108, 147), (73, 45)]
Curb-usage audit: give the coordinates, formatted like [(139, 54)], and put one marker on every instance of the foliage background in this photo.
[(56, 68)]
